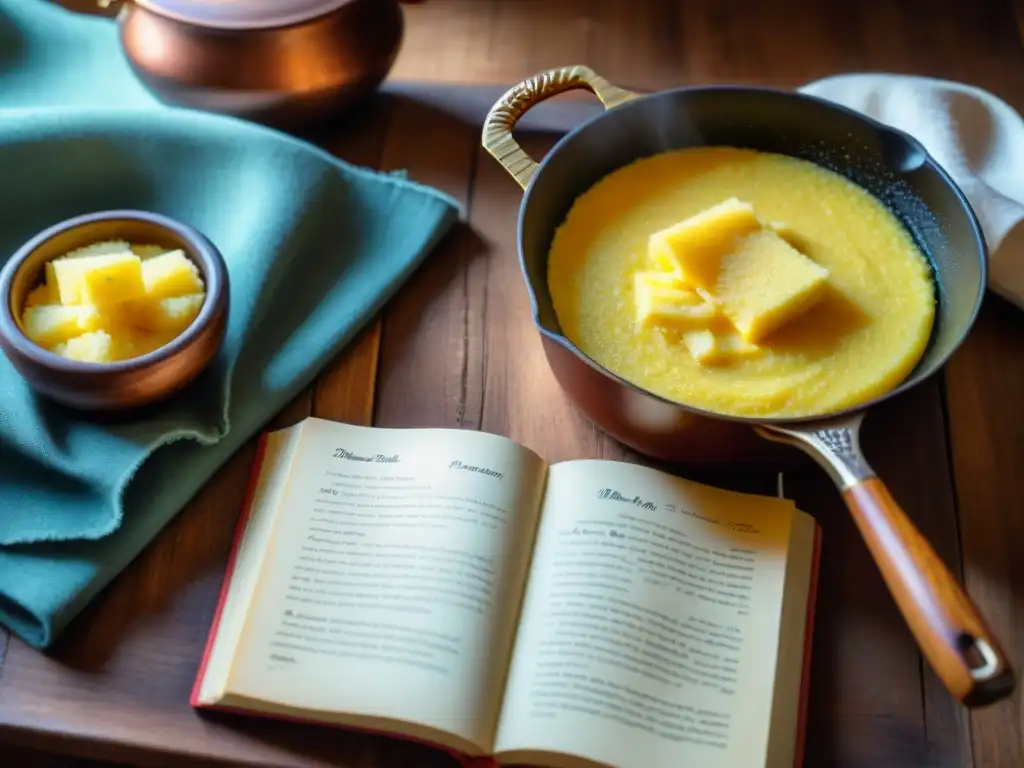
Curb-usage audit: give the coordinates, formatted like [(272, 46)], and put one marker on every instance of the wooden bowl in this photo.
[(128, 383)]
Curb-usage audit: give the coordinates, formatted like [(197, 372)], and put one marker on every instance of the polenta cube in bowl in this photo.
[(113, 310)]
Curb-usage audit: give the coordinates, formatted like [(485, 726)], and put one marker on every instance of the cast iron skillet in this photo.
[(889, 164)]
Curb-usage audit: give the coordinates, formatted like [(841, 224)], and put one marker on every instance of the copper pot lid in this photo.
[(241, 14)]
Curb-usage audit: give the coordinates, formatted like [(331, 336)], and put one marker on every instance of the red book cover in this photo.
[(805, 684), (464, 760)]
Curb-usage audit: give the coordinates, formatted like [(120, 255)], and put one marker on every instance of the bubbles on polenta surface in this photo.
[(861, 340)]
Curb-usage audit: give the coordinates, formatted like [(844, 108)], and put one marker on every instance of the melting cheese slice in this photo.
[(709, 348), (693, 248), (661, 300), (765, 283)]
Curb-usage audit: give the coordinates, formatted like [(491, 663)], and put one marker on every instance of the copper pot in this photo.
[(282, 62), (889, 164)]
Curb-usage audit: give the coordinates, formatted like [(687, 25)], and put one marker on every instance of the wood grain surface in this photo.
[(456, 348)]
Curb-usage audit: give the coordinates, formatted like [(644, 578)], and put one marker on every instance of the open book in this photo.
[(451, 587)]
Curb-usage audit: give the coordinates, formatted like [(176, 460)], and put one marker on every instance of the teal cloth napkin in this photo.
[(314, 248)]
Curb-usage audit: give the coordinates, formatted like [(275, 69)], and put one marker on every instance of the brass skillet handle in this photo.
[(518, 100), (945, 622)]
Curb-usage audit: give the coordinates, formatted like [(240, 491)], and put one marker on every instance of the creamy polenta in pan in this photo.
[(742, 283)]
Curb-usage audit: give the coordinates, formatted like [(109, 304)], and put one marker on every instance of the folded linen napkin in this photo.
[(975, 136), (314, 247)]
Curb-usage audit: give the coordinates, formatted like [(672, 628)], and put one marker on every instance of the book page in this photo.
[(277, 454), (393, 579), (651, 624)]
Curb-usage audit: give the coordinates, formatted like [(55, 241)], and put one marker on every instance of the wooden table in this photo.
[(456, 348)]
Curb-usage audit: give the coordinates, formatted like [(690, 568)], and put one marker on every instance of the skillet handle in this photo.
[(945, 622), (519, 99)]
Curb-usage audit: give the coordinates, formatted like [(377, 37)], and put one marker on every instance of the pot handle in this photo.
[(945, 622), (519, 99)]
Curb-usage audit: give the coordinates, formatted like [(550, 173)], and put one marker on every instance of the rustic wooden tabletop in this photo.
[(457, 348)]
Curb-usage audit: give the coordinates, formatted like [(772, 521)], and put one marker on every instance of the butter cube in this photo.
[(694, 248), (68, 273), (51, 324), (111, 279), (709, 348), (171, 274), (765, 283), (732, 346), (170, 315), (95, 347), (702, 345), (104, 248), (65, 275), (661, 300)]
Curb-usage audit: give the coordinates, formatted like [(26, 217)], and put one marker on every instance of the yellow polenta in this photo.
[(859, 341)]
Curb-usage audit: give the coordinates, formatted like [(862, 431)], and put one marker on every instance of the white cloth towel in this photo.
[(975, 136)]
